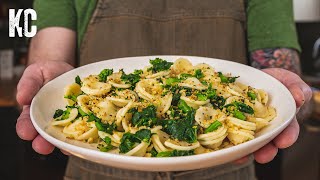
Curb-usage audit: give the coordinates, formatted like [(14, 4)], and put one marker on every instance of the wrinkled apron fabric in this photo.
[(123, 28)]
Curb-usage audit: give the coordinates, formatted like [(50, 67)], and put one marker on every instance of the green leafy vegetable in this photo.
[(129, 141), (58, 113), (78, 80), (243, 107), (214, 126), (218, 102), (71, 97), (132, 78), (108, 145), (252, 95), (182, 129), (153, 152), (143, 135), (147, 117), (198, 74), (104, 74), (175, 153), (184, 76), (225, 79), (183, 106), (159, 65), (65, 114), (239, 115), (81, 112), (108, 128), (171, 81), (175, 99)]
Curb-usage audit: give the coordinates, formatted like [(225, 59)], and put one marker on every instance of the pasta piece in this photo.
[(213, 139), (115, 80), (180, 145), (163, 104), (260, 122), (83, 102), (205, 116), (92, 86), (72, 116), (122, 98), (139, 150), (149, 89), (194, 103), (239, 136), (158, 75), (181, 65), (122, 112), (193, 83), (81, 130), (158, 145), (106, 111), (73, 89)]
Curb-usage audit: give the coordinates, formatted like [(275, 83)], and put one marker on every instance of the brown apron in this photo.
[(123, 28)]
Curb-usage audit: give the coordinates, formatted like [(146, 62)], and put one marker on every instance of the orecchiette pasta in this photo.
[(163, 110)]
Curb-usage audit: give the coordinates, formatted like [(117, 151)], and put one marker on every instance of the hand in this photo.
[(34, 77), (302, 94)]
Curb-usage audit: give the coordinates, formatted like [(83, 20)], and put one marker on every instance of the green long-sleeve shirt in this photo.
[(270, 23)]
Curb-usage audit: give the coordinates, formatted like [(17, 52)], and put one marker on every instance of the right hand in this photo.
[(34, 77)]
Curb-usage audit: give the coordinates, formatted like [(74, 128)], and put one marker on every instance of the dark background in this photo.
[(19, 161)]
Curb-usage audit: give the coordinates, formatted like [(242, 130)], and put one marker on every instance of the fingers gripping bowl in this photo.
[(256, 107)]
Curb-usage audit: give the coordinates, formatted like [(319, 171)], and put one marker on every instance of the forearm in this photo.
[(276, 58), (53, 44)]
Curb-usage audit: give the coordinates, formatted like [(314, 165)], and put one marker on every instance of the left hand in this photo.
[(302, 94)]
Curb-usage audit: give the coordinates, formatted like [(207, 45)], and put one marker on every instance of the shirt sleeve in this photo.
[(55, 13), (271, 24)]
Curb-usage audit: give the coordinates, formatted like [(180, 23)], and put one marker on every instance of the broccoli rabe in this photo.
[(198, 74), (104, 74), (78, 80), (214, 126), (175, 153), (147, 117), (159, 65), (107, 147), (225, 79), (58, 113), (62, 115), (129, 141), (252, 95), (182, 128), (132, 78), (238, 109)]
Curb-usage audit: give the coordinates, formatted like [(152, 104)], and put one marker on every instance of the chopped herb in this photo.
[(214, 126), (159, 65), (78, 80), (104, 74), (225, 79)]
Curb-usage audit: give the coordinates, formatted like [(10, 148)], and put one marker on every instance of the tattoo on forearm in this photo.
[(276, 57)]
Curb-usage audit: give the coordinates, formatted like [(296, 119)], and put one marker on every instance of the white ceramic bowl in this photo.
[(50, 98)]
